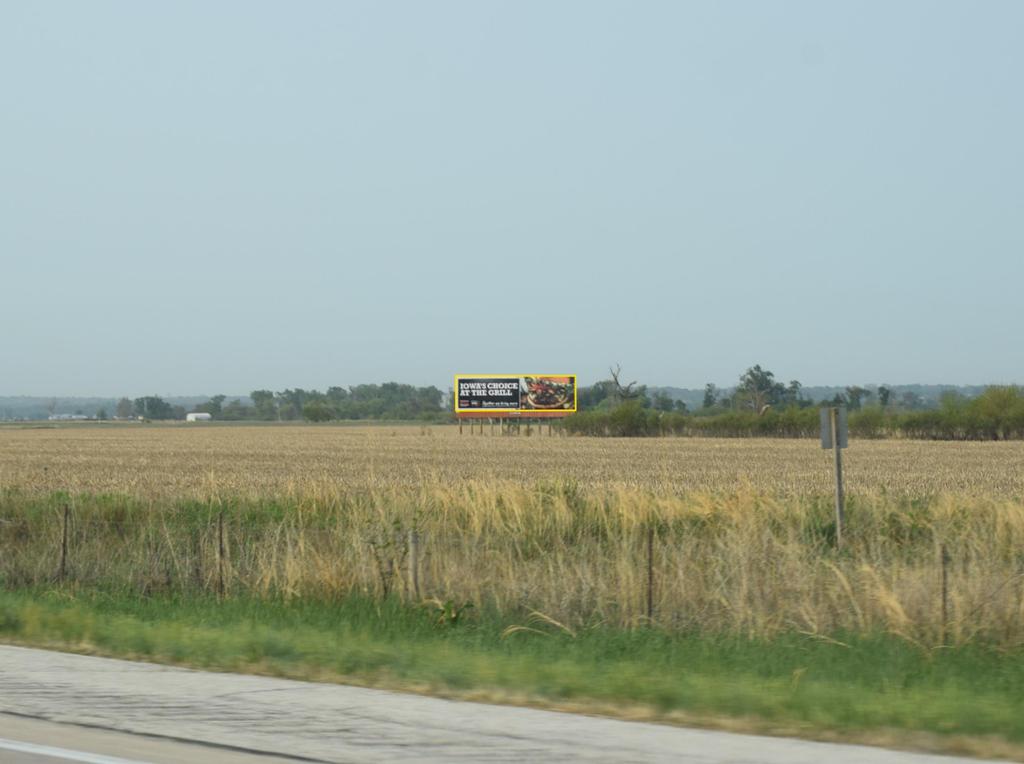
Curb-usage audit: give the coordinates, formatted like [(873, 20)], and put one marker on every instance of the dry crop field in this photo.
[(185, 461), (731, 536)]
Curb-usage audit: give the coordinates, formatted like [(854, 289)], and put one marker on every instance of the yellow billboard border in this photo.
[(517, 410)]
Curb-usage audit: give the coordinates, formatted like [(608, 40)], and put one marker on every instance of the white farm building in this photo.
[(200, 416)]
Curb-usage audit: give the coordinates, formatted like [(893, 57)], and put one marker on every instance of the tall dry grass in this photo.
[(739, 561)]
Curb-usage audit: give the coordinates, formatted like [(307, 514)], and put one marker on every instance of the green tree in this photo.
[(663, 402), (291, 402), (998, 411), (317, 411), (911, 401), (884, 394), (125, 409), (758, 389), (337, 397), (235, 411), (791, 395), (154, 407), (710, 396), (213, 407), (855, 395), (265, 404), (595, 395), (629, 419)]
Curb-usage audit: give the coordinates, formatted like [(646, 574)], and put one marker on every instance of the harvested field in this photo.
[(190, 461)]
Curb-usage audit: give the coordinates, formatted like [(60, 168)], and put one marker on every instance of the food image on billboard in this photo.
[(551, 393), (548, 393)]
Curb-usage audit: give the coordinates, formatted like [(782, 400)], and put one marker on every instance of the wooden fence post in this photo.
[(838, 466), (414, 572), (945, 592), (63, 570), (220, 553), (650, 574)]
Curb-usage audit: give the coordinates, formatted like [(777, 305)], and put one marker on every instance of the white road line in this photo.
[(62, 753)]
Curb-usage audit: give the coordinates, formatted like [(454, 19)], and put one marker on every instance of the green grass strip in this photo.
[(881, 682)]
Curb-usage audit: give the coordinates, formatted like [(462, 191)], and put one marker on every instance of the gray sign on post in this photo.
[(826, 426)]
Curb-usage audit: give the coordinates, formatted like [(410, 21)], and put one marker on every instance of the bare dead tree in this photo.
[(624, 393)]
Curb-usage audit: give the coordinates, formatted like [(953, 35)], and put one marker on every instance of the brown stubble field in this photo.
[(184, 461)]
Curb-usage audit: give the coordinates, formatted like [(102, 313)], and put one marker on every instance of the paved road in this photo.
[(334, 723), (34, 741)]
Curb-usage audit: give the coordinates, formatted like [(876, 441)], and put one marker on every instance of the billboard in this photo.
[(528, 394)]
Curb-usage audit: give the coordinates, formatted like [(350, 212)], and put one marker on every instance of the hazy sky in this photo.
[(216, 197)]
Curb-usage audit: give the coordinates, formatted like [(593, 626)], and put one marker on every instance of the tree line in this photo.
[(760, 405), (389, 400)]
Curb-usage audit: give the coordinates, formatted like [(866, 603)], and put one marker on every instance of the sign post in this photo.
[(835, 435)]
